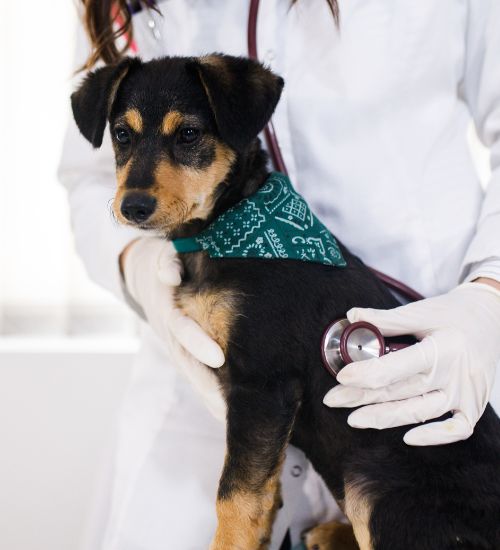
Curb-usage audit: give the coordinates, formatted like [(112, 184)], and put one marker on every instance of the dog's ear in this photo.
[(242, 94), (93, 100)]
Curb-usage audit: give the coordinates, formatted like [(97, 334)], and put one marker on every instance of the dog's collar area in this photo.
[(273, 223)]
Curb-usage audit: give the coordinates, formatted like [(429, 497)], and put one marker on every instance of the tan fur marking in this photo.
[(220, 65), (213, 60), (245, 520), (213, 311), (171, 121), (358, 509), (134, 119), (182, 193), (257, 75), (115, 86), (185, 193), (331, 536)]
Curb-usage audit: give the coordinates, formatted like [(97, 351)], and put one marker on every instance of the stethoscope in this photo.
[(342, 342)]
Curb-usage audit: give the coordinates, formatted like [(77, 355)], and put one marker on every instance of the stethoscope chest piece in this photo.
[(344, 342), (330, 346)]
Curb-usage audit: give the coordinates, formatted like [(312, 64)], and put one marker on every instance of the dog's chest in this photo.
[(213, 307)]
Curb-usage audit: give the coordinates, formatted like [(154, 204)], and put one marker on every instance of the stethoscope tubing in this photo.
[(276, 155), (269, 131)]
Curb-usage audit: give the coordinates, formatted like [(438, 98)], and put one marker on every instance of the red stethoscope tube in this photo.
[(342, 342), (269, 132), (279, 162)]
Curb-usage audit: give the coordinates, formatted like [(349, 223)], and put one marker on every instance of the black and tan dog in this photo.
[(184, 132)]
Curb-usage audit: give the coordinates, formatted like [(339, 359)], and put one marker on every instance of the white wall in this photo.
[(58, 397), (56, 417), (37, 42)]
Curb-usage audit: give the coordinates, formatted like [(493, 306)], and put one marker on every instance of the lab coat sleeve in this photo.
[(89, 178), (481, 90)]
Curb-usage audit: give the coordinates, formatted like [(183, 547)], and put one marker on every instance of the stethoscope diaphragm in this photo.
[(344, 342), (330, 346)]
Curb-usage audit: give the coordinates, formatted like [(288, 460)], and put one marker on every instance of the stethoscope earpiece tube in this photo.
[(269, 132)]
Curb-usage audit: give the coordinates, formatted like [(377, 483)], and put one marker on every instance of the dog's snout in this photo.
[(138, 207)]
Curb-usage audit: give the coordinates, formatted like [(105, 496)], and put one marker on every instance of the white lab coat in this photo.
[(372, 125)]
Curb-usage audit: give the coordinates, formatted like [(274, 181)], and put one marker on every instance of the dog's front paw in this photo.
[(330, 536)]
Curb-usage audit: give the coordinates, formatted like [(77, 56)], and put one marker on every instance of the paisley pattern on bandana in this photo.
[(275, 222)]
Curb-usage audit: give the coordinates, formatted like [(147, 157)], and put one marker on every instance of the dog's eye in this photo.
[(188, 135), (122, 136)]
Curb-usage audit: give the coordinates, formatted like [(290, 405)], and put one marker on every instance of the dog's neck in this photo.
[(248, 174)]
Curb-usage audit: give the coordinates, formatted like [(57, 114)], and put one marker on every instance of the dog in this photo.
[(185, 136)]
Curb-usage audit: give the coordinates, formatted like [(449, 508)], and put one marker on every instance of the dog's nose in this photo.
[(138, 207)]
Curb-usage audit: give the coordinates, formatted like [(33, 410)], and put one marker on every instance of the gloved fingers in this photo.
[(388, 369), (346, 396), (195, 340), (476, 286), (451, 430), (169, 266), (400, 413), (407, 319)]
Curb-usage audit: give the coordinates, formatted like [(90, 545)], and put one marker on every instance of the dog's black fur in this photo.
[(269, 315)]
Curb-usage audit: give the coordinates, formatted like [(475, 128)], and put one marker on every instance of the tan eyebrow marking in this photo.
[(171, 121), (134, 120)]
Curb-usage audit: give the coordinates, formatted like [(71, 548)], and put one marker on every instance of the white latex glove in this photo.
[(452, 369), (152, 270)]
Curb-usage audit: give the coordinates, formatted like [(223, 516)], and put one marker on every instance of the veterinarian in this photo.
[(372, 126)]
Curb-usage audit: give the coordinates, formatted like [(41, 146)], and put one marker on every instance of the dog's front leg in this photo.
[(259, 425)]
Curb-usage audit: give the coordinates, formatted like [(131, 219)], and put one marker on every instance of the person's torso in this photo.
[(370, 124)]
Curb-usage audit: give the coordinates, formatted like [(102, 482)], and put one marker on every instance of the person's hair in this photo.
[(106, 21)]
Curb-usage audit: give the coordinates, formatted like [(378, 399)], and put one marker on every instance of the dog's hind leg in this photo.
[(259, 425), (358, 508), (331, 536)]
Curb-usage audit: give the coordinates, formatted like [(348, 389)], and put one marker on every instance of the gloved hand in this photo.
[(451, 369), (151, 270)]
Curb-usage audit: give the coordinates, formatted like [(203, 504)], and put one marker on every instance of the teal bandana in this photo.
[(275, 222)]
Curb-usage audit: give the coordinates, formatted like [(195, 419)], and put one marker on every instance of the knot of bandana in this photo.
[(275, 222)]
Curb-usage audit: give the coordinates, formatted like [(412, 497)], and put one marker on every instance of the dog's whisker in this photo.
[(112, 211)]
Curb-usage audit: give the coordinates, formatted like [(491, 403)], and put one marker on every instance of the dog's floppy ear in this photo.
[(93, 100), (242, 94)]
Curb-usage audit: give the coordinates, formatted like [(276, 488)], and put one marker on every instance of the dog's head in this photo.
[(178, 126)]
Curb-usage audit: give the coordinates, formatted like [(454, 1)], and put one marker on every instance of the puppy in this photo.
[(184, 131)]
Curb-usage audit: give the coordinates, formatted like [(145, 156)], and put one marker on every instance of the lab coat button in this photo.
[(154, 29), (270, 56), (296, 471)]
